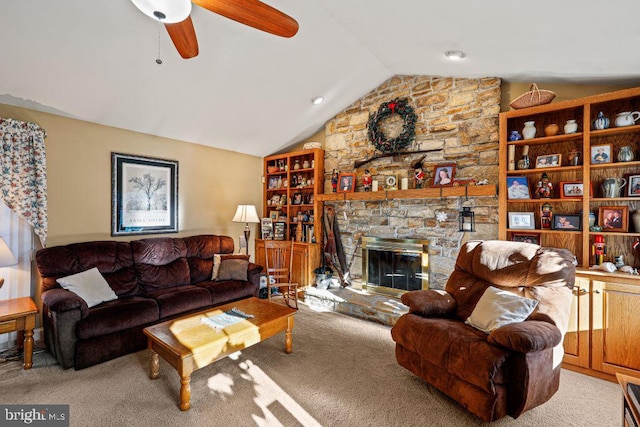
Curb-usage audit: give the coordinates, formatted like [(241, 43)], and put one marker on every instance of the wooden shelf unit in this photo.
[(605, 312), (284, 183)]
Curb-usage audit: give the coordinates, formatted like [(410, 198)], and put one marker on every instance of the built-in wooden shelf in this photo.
[(418, 193)]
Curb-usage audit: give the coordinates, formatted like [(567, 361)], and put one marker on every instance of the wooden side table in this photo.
[(19, 315)]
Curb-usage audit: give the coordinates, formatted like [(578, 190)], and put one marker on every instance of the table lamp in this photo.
[(6, 257), (246, 214)]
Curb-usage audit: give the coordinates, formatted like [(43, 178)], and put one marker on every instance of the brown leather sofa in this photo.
[(513, 368), (154, 279)]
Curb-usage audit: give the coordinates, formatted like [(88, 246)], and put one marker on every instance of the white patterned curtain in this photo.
[(23, 187)]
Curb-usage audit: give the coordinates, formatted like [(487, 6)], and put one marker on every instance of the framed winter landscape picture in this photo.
[(144, 195)]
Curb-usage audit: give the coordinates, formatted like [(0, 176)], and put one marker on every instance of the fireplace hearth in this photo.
[(395, 266)]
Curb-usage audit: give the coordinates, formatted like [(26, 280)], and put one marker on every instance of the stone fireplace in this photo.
[(457, 119), (395, 266)]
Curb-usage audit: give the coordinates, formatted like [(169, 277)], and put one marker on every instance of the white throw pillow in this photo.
[(497, 308), (89, 285), (217, 259)]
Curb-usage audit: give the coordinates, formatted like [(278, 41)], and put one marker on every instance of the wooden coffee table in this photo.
[(188, 344)]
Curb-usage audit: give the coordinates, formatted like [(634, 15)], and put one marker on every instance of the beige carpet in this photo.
[(342, 372)]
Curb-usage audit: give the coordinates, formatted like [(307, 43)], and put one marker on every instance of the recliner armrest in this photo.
[(526, 337), (430, 303), (61, 300)]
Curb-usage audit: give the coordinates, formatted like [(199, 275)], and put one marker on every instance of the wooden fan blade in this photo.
[(184, 38), (253, 13)]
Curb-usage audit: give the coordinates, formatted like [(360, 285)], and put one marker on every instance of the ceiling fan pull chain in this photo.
[(158, 60)]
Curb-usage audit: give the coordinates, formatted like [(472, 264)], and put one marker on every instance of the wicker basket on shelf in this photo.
[(533, 98)]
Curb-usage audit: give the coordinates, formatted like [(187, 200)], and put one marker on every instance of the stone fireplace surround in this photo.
[(456, 116)]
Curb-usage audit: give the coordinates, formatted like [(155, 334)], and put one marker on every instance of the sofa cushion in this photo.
[(497, 308), (117, 315), (113, 260), (200, 251), (88, 285), (180, 299), (454, 347), (229, 290)]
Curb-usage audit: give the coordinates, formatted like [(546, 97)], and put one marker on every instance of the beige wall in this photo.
[(211, 182)]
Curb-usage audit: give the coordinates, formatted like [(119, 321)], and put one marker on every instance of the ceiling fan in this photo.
[(176, 17)]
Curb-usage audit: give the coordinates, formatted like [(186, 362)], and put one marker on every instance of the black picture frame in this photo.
[(526, 238), (144, 195), (566, 222)]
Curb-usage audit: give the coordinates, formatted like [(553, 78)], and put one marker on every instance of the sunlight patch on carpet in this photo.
[(278, 408)]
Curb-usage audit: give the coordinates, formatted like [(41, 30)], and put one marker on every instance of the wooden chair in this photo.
[(279, 260)]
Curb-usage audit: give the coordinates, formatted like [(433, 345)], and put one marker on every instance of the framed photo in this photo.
[(526, 238), (273, 183), (346, 182), (443, 175), (309, 200), (274, 215), (518, 188), (548, 161), (144, 195), (567, 222), (601, 153), (296, 199), (521, 221), (613, 218), (571, 189), (279, 229), (633, 187), (266, 226)]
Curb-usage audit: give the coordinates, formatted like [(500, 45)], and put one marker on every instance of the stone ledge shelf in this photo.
[(418, 193)]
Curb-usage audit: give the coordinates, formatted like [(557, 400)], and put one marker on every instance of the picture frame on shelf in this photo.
[(601, 153), (266, 226), (296, 199), (567, 222), (518, 188), (274, 215), (273, 183), (525, 238), (548, 161), (279, 228), (346, 183), (443, 175), (633, 185), (522, 221), (144, 195), (571, 189), (614, 218)]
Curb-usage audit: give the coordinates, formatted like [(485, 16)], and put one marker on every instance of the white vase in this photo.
[(571, 126), (529, 130)]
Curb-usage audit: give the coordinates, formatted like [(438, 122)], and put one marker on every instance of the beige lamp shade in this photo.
[(6, 257), (246, 214)]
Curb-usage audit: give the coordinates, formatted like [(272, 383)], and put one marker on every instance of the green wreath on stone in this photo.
[(387, 109)]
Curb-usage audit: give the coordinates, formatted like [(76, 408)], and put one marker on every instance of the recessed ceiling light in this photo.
[(317, 100), (455, 55)]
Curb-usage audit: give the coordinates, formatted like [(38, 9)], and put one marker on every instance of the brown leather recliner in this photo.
[(515, 367)]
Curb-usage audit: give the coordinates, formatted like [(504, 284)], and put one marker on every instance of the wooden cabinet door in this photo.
[(616, 327), (576, 340), (300, 273)]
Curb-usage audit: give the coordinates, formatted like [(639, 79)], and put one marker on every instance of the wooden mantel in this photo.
[(418, 193)]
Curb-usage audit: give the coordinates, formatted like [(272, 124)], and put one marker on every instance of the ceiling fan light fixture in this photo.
[(455, 55), (317, 100), (165, 11)]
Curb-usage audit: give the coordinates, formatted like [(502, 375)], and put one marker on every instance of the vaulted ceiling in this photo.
[(250, 91)]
